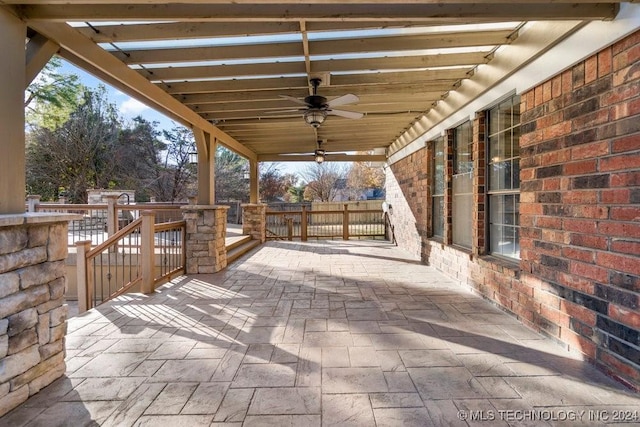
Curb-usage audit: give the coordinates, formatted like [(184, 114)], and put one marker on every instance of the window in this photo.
[(503, 168), (437, 188), (462, 188)]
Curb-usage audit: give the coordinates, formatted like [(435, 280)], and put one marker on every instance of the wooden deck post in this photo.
[(147, 251), (289, 228), (84, 276)]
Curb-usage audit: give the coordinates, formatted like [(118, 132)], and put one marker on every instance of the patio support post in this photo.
[(112, 214), (254, 221), (205, 241), (13, 32), (147, 251), (206, 146), (253, 181)]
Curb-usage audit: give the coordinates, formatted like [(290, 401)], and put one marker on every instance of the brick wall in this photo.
[(579, 276), (580, 170)]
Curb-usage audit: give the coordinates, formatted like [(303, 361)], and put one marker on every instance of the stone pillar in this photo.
[(254, 221), (33, 316), (206, 232)]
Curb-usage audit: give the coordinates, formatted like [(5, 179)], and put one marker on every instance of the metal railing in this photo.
[(142, 253), (326, 224), (99, 221)]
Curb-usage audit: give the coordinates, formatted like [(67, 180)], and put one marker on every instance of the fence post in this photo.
[(303, 224), (289, 228), (84, 276), (33, 201), (147, 251), (345, 222), (112, 215)]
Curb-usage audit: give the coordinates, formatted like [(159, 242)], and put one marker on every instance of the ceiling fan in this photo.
[(319, 155), (318, 108)]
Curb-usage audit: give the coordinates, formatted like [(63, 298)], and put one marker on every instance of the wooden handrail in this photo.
[(169, 225), (113, 239)]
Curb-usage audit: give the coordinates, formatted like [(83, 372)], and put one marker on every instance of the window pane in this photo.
[(437, 180), (462, 186), (438, 216), (503, 169)]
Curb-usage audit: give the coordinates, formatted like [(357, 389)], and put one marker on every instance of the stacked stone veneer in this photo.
[(206, 232), (254, 221), (33, 249), (578, 279)]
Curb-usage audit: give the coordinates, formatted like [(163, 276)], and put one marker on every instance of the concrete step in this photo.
[(237, 249), (237, 241)]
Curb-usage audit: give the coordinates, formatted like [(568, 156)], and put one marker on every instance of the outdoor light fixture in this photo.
[(193, 157), (319, 155), (315, 117), (246, 174)]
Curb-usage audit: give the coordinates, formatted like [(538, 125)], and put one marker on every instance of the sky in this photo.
[(130, 108)]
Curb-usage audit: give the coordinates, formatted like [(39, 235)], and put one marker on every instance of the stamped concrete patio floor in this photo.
[(327, 333)]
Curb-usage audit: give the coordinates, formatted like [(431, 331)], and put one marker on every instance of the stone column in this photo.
[(33, 315), (254, 221), (206, 232)]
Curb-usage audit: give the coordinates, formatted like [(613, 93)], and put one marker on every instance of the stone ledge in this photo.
[(11, 220)]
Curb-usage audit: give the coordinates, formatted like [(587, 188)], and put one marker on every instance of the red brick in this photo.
[(625, 315), (555, 236), (567, 82), (589, 241), (626, 247), (581, 168), (626, 73), (604, 62), (549, 222), (591, 69), (627, 143), (589, 271), (555, 131), (578, 254), (538, 95), (575, 282), (590, 211), (530, 208), (621, 229), (590, 151), (619, 196), (620, 94), (620, 162), (625, 179), (618, 262), (556, 86), (579, 197), (625, 213), (620, 370), (580, 225), (558, 156), (551, 184), (546, 91)]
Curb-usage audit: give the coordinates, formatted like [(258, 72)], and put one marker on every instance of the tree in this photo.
[(52, 96), (363, 176), (77, 155), (322, 180), (139, 159), (175, 177), (230, 181), (274, 185)]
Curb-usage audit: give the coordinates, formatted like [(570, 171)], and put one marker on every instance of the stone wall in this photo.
[(33, 249), (578, 279), (206, 231)]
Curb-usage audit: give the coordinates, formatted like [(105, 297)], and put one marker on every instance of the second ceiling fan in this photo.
[(318, 108)]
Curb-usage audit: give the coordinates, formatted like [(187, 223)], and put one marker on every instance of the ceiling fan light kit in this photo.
[(318, 155), (315, 117)]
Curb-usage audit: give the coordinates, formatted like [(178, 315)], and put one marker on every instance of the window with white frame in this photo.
[(437, 188), (503, 170), (462, 186)]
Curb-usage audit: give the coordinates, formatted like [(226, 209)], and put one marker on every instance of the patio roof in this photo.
[(223, 67)]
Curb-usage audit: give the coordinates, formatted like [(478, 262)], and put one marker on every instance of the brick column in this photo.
[(478, 243), (206, 232), (33, 315), (254, 221)]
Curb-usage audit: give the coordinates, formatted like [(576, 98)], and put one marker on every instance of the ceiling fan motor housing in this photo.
[(316, 101)]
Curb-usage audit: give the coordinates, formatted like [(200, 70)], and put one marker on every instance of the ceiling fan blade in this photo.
[(292, 99), (343, 100), (347, 114)]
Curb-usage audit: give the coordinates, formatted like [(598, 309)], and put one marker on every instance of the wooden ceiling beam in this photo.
[(282, 12), (331, 157)]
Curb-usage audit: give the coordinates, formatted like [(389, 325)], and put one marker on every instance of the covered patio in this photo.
[(509, 134), (326, 333)]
